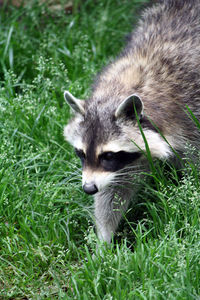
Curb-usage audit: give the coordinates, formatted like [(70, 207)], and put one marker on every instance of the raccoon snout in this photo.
[(90, 188)]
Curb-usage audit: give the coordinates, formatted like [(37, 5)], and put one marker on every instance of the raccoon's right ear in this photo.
[(76, 104), (129, 106)]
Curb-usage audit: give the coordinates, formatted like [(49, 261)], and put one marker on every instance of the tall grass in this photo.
[(47, 235)]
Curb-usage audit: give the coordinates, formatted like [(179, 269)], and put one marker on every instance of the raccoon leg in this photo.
[(109, 208)]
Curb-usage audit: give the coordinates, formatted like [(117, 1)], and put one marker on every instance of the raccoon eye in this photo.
[(80, 154), (113, 161), (107, 156)]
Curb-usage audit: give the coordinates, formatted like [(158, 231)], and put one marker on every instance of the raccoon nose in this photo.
[(90, 188)]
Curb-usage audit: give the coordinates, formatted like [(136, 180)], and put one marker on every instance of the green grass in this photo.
[(47, 235)]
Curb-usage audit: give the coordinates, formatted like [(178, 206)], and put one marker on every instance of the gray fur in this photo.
[(161, 64), (129, 103)]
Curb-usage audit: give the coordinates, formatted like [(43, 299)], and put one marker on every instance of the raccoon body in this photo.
[(150, 83)]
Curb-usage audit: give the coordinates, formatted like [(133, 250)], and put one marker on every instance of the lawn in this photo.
[(47, 235)]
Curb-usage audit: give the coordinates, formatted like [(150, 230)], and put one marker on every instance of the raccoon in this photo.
[(140, 97)]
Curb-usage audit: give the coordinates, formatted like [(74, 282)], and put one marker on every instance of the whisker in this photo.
[(121, 184), (134, 166), (136, 172), (123, 181), (140, 167)]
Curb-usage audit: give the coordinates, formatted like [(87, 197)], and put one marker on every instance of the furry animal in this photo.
[(150, 83)]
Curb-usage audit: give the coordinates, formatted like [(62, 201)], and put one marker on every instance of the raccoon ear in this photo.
[(76, 104), (127, 108)]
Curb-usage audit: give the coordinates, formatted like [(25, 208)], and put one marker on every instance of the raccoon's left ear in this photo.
[(76, 104), (127, 108)]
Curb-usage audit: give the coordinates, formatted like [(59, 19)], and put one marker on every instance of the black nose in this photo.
[(90, 188)]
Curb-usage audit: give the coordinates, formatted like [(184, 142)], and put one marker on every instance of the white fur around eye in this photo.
[(116, 146)]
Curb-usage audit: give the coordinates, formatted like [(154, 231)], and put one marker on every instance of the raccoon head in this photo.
[(106, 138)]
